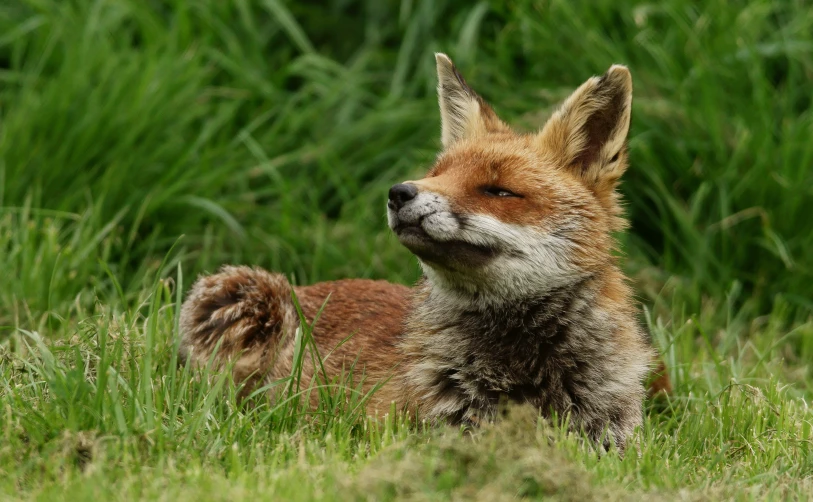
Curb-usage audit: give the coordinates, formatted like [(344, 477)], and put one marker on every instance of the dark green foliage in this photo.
[(268, 131)]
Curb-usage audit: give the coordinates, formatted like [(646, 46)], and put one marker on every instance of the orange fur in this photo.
[(522, 297)]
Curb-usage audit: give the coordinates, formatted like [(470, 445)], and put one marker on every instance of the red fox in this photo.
[(521, 297)]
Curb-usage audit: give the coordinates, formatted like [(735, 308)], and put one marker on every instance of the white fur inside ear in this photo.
[(459, 108), (464, 114)]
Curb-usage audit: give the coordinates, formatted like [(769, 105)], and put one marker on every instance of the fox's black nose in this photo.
[(400, 194)]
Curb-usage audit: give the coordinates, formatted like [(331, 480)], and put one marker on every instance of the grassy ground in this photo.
[(143, 142)]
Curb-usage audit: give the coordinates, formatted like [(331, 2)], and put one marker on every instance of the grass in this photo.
[(144, 142)]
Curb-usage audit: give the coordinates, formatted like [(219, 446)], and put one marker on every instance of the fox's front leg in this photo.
[(616, 428)]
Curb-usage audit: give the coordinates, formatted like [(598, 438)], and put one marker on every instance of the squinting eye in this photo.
[(499, 192)]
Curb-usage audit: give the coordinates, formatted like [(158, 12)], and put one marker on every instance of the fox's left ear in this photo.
[(589, 132), (463, 113)]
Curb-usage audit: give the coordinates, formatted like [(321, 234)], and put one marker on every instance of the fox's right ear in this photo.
[(463, 113), (588, 134)]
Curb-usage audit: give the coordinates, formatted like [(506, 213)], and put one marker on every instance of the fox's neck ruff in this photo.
[(494, 291), (479, 316)]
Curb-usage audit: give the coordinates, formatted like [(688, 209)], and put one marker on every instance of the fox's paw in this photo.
[(245, 310)]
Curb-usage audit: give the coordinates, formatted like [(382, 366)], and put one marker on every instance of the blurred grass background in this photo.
[(268, 132)]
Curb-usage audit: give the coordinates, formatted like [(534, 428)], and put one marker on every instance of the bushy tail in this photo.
[(241, 313)]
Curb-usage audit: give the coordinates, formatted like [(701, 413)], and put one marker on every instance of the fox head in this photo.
[(503, 214)]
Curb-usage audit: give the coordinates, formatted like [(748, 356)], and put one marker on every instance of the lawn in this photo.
[(143, 142)]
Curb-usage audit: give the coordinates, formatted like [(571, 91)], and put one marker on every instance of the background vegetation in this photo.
[(268, 132)]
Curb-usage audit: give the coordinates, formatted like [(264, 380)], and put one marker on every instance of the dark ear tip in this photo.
[(618, 69), (445, 65), (618, 75), (443, 59), (448, 71)]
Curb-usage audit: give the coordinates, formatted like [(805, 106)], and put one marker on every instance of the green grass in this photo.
[(143, 142)]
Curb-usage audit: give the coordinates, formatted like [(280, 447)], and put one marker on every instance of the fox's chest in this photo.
[(475, 391), (469, 382), (471, 360)]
